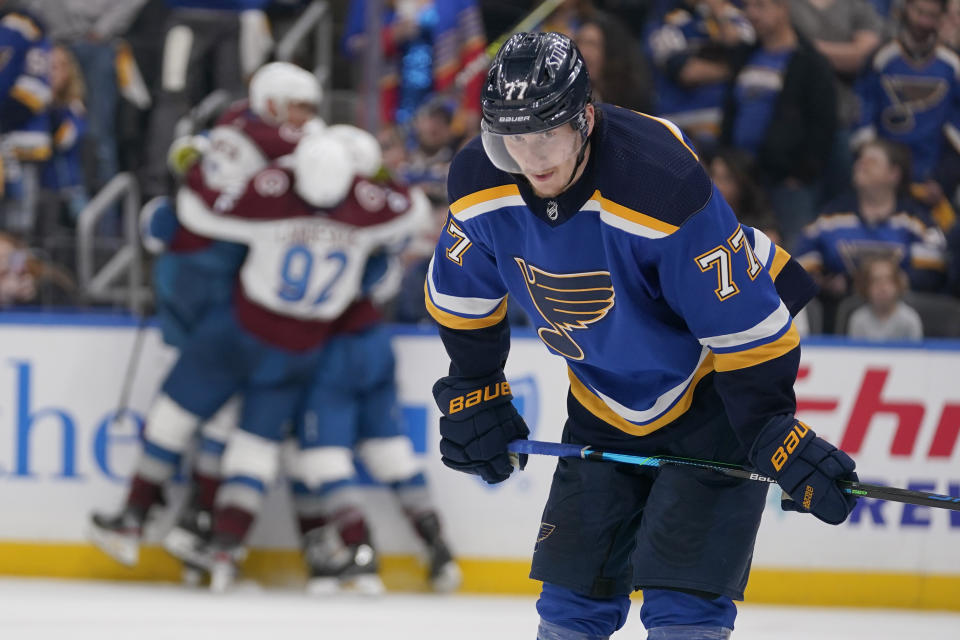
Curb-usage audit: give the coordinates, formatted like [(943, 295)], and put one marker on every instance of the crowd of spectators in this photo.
[(831, 125)]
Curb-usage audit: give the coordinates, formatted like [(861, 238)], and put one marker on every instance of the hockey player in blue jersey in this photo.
[(675, 324)]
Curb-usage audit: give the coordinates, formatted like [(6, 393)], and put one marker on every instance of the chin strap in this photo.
[(576, 165)]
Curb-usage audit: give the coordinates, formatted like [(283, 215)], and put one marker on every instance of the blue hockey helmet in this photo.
[(537, 82)]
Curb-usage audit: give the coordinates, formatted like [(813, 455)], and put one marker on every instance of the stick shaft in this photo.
[(858, 489)]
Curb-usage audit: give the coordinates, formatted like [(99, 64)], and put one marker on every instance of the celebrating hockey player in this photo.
[(311, 231), (352, 406), (194, 277), (675, 324)]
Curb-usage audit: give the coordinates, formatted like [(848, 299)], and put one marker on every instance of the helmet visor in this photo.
[(531, 153)]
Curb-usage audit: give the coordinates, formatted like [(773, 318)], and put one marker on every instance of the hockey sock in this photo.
[(231, 525), (565, 614), (143, 494), (205, 490), (352, 526), (668, 614)]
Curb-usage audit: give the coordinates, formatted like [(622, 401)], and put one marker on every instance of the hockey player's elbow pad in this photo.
[(478, 421), (806, 467)]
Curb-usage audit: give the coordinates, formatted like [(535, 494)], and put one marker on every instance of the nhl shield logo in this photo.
[(553, 210)]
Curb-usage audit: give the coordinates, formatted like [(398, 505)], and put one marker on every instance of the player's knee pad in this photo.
[(669, 615), (389, 460), (248, 455), (169, 425), (317, 466), (566, 615), (221, 425)]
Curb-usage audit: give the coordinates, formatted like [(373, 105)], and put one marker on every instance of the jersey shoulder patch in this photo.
[(648, 173)]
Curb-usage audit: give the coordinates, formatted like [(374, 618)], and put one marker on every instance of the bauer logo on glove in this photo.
[(479, 420), (487, 393), (794, 436)]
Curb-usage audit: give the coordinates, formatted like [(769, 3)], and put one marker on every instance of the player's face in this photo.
[(548, 159), (299, 113)]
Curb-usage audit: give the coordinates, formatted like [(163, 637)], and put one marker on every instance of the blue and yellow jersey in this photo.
[(24, 70), (639, 276), (913, 102), (839, 238), (686, 33), (24, 87)]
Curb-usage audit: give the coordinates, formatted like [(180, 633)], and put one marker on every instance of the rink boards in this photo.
[(896, 409)]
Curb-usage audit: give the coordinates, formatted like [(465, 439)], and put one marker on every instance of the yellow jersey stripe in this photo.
[(635, 217), (31, 100), (479, 197), (599, 408), (674, 129), (453, 321), (757, 355), (780, 259)]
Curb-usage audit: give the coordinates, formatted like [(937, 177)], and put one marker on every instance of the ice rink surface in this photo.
[(73, 610)]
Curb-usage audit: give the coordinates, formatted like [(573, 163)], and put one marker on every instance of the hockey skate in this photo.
[(223, 562), (336, 567), (187, 539), (118, 536), (443, 572)]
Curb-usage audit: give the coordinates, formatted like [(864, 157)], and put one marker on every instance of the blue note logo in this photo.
[(567, 302)]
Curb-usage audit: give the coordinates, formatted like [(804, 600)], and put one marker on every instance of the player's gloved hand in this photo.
[(478, 421), (185, 152), (806, 467)]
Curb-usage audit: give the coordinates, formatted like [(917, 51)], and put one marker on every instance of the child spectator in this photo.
[(62, 177), (885, 316)]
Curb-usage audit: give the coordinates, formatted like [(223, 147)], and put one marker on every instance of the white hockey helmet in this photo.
[(363, 147), (323, 169), (282, 83)]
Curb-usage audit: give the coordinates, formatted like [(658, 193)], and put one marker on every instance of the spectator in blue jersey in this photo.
[(24, 119), (911, 95), (692, 53), (620, 72), (781, 108), (62, 178), (878, 217), (885, 316)]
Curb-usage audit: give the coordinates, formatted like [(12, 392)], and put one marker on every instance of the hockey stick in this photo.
[(858, 489)]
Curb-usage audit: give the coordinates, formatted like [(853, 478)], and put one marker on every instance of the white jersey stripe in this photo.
[(489, 205), (477, 307), (769, 326), (660, 406)]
